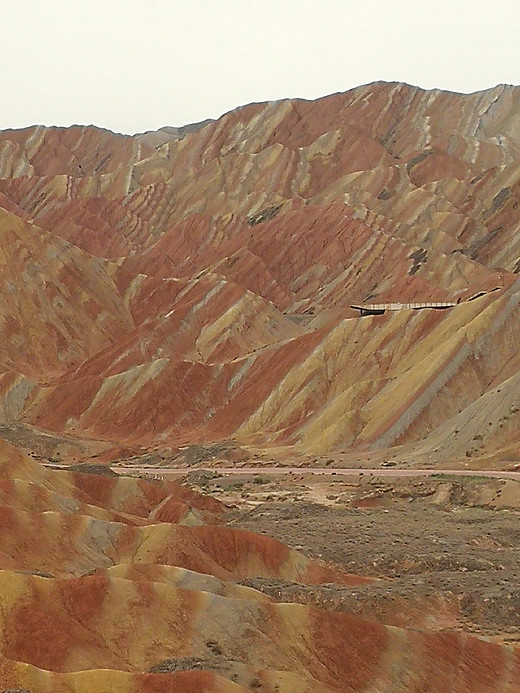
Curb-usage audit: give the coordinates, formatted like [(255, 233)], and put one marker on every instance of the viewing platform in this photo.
[(380, 308)]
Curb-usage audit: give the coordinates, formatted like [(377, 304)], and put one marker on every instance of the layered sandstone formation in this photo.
[(195, 285), (129, 585)]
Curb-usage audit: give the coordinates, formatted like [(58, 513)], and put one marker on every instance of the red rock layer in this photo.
[(94, 598), (196, 285)]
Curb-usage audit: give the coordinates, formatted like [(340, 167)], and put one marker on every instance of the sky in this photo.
[(133, 66)]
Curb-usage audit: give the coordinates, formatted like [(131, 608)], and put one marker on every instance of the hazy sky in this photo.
[(137, 65)]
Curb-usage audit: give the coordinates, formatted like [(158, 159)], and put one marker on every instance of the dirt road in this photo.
[(249, 471)]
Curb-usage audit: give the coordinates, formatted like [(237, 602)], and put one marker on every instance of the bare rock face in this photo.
[(196, 285)]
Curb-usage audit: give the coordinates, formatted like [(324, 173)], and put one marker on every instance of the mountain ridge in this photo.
[(200, 299), (289, 211)]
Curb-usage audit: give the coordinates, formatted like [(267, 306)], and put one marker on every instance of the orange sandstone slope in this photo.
[(101, 589), (195, 284)]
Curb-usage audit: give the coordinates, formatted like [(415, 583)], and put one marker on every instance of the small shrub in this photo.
[(214, 647)]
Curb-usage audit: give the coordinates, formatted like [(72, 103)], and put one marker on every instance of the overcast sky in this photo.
[(134, 65)]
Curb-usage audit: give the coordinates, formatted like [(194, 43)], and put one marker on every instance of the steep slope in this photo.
[(59, 305), (195, 285)]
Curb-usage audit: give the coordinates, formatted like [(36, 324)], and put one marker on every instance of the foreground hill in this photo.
[(123, 584), (195, 285)]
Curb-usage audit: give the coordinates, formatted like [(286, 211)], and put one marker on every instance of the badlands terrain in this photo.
[(182, 300)]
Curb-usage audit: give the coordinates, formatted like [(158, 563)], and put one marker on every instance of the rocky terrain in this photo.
[(183, 298)]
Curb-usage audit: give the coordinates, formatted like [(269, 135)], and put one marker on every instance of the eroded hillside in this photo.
[(194, 286), (185, 296), (128, 585)]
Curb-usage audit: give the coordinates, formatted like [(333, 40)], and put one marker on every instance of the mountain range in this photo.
[(195, 284)]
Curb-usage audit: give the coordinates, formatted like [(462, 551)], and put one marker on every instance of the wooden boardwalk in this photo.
[(380, 308)]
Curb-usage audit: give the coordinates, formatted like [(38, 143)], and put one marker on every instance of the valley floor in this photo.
[(447, 550)]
